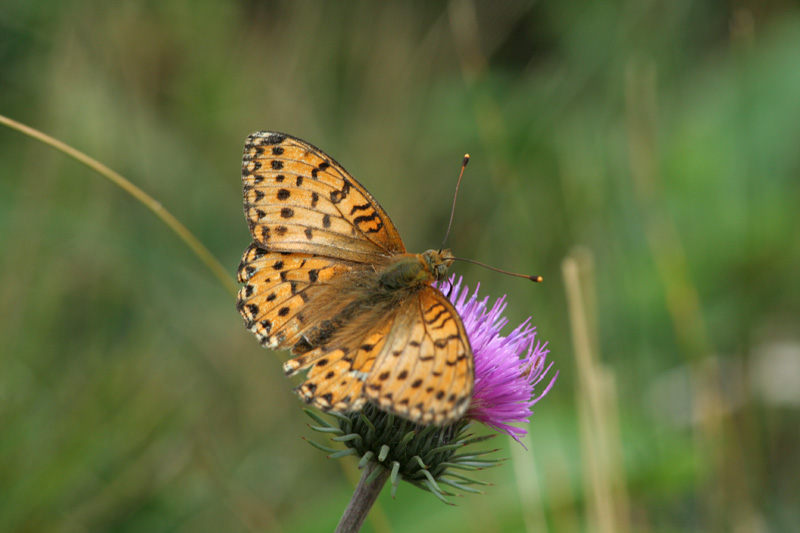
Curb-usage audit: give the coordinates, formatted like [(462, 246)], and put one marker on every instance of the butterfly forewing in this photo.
[(312, 285), (299, 199)]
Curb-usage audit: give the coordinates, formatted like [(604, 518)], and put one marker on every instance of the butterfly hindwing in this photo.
[(299, 199), (274, 301), (414, 361), (336, 377), (425, 371)]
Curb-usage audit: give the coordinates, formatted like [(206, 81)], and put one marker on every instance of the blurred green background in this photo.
[(660, 138)]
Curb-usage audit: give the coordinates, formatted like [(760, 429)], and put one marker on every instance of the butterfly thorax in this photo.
[(411, 270)]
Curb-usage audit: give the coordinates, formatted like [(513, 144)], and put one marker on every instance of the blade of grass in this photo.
[(604, 483)]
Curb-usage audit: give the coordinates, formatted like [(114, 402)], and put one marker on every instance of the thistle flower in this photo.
[(504, 381)]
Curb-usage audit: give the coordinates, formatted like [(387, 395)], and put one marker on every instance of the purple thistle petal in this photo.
[(506, 368)]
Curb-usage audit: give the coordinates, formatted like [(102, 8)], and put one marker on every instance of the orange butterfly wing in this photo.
[(416, 363), (278, 288), (299, 199), (425, 371), (320, 238)]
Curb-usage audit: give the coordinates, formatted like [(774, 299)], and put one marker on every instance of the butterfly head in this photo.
[(437, 263)]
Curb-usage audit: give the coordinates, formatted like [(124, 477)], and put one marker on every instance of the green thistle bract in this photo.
[(428, 457)]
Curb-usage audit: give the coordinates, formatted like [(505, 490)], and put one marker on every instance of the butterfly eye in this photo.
[(441, 271)]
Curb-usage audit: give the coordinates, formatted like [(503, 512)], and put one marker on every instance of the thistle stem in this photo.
[(363, 498)]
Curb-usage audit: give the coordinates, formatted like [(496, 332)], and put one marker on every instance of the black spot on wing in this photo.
[(441, 343), (339, 195), (272, 138), (361, 207), (365, 218)]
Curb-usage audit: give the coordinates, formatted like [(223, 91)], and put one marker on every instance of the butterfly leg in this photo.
[(449, 289)]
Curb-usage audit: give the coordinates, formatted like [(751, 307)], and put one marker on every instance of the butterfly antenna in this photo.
[(453, 210), (526, 276)]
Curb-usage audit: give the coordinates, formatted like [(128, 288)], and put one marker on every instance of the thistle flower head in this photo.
[(506, 368)]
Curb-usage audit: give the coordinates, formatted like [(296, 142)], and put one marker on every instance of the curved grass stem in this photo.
[(148, 201)]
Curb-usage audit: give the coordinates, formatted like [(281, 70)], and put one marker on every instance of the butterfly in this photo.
[(327, 277)]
